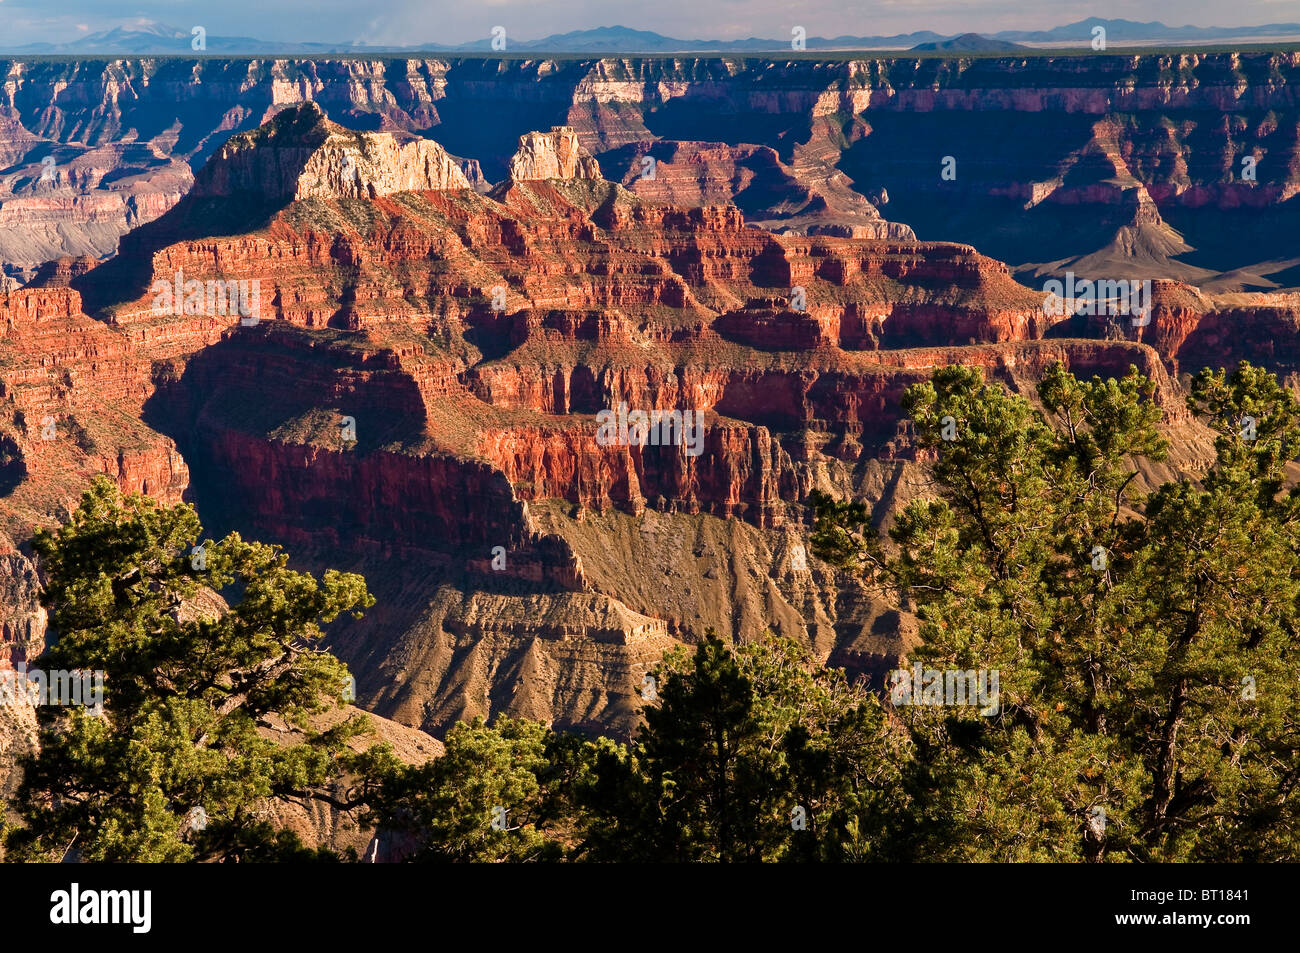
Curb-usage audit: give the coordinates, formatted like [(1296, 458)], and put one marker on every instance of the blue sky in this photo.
[(405, 22)]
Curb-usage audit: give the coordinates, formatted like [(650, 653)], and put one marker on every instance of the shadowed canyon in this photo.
[(374, 310)]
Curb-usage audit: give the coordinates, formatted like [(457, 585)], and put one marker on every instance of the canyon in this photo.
[(461, 263), (1185, 164)]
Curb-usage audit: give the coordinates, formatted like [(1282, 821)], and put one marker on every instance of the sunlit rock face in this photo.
[(419, 394)]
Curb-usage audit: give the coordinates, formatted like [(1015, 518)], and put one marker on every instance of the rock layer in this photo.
[(421, 398), (300, 155), (552, 155), (1061, 158)]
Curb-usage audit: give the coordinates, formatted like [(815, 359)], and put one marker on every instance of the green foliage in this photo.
[(484, 800), (740, 745), (839, 534), (1146, 647), (1230, 403), (204, 706)]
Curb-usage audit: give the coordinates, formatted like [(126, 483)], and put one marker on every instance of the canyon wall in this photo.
[(1096, 161), (420, 393)]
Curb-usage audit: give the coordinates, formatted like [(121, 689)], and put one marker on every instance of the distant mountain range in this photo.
[(147, 37), (971, 43)]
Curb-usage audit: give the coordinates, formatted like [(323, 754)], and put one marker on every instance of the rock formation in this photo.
[(1079, 160), (421, 397), (810, 197), (552, 155), (301, 155)]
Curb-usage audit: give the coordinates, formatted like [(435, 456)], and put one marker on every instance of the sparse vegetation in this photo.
[(1146, 647), (206, 706)]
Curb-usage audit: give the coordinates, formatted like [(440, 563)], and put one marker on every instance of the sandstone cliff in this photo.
[(552, 155), (300, 154), (1062, 159), (421, 398)]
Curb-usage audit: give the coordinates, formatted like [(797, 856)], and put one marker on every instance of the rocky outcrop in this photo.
[(808, 198), (22, 618), (300, 154), (71, 401), (552, 155), (426, 392), (1191, 329), (1058, 161), (78, 200)]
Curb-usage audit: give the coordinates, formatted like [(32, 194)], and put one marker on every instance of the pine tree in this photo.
[(483, 801), (207, 708), (756, 753), (1145, 647)]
